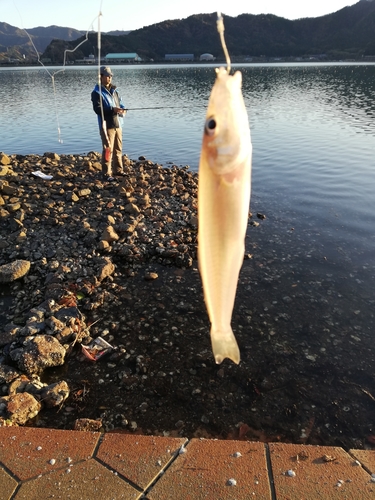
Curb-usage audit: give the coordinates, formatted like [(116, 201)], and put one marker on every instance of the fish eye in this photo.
[(210, 126)]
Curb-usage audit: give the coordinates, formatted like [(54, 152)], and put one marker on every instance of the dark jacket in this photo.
[(110, 99)]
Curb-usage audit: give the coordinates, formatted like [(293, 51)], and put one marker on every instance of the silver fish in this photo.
[(224, 187)]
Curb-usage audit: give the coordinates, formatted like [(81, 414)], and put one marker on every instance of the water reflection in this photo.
[(312, 128)]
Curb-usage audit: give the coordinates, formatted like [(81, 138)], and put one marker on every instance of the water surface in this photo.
[(312, 126)]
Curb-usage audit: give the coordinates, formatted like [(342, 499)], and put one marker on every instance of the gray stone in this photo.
[(71, 196), (14, 270), (39, 353), (20, 407), (131, 208), (55, 394), (9, 334), (87, 425), (8, 374), (52, 156), (106, 269)]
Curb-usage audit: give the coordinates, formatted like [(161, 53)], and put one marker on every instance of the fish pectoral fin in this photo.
[(224, 345)]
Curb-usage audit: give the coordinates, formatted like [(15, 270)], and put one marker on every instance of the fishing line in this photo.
[(220, 29), (104, 123), (52, 75)]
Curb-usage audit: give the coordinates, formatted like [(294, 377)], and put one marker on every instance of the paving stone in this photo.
[(206, 468), (366, 457), (28, 451), (87, 480), (138, 458), (321, 472), (36, 464), (7, 485)]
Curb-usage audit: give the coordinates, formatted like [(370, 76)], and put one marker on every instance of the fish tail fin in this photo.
[(224, 345)]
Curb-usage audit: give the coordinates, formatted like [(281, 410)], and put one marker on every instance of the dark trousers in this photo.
[(115, 144)]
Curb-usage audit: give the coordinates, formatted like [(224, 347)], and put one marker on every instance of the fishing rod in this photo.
[(167, 107)]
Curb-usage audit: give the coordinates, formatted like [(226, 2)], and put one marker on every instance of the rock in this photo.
[(38, 353), (131, 208), (14, 270), (150, 276), (32, 328), (109, 235), (65, 335), (106, 270), (87, 425), (104, 245), (25, 384), (8, 374), (9, 334), (4, 159), (71, 196), (144, 201), (55, 394), (13, 207), (193, 220), (65, 228), (8, 190), (54, 325), (66, 314), (84, 192), (20, 407), (52, 156), (55, 291), (15, 224), (3, 213)]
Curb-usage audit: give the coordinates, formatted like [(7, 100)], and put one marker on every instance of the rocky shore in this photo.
[(67, 238), (103, 323)]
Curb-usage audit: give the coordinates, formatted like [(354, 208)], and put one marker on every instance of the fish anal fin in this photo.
[(224, 345)]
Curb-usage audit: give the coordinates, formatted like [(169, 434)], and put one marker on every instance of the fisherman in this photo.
[(107, 105)]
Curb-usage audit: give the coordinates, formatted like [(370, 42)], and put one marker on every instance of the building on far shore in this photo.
[(122, 57), (207, 57), (179, 57)]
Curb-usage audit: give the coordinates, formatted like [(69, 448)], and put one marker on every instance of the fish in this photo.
[(224, 187)]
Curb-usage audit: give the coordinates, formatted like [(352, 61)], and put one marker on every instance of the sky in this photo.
[(133, 14)]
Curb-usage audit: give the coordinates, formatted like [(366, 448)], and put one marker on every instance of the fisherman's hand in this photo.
[(118, 111)]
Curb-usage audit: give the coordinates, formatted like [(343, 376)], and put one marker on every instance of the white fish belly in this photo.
[(223, 207)]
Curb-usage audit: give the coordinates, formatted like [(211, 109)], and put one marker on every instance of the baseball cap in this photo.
[(106, 71)]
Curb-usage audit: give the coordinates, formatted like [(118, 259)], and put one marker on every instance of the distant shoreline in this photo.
[(367, 60)]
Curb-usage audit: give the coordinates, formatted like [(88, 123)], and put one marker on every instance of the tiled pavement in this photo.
[(38, 464)]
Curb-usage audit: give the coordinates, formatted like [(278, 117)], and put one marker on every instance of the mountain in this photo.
[(347, 33), (14, 42)]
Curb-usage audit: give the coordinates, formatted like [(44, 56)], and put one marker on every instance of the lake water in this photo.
[(313, 132)]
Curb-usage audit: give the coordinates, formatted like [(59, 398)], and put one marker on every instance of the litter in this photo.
[(40, 174), (97, 349)]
